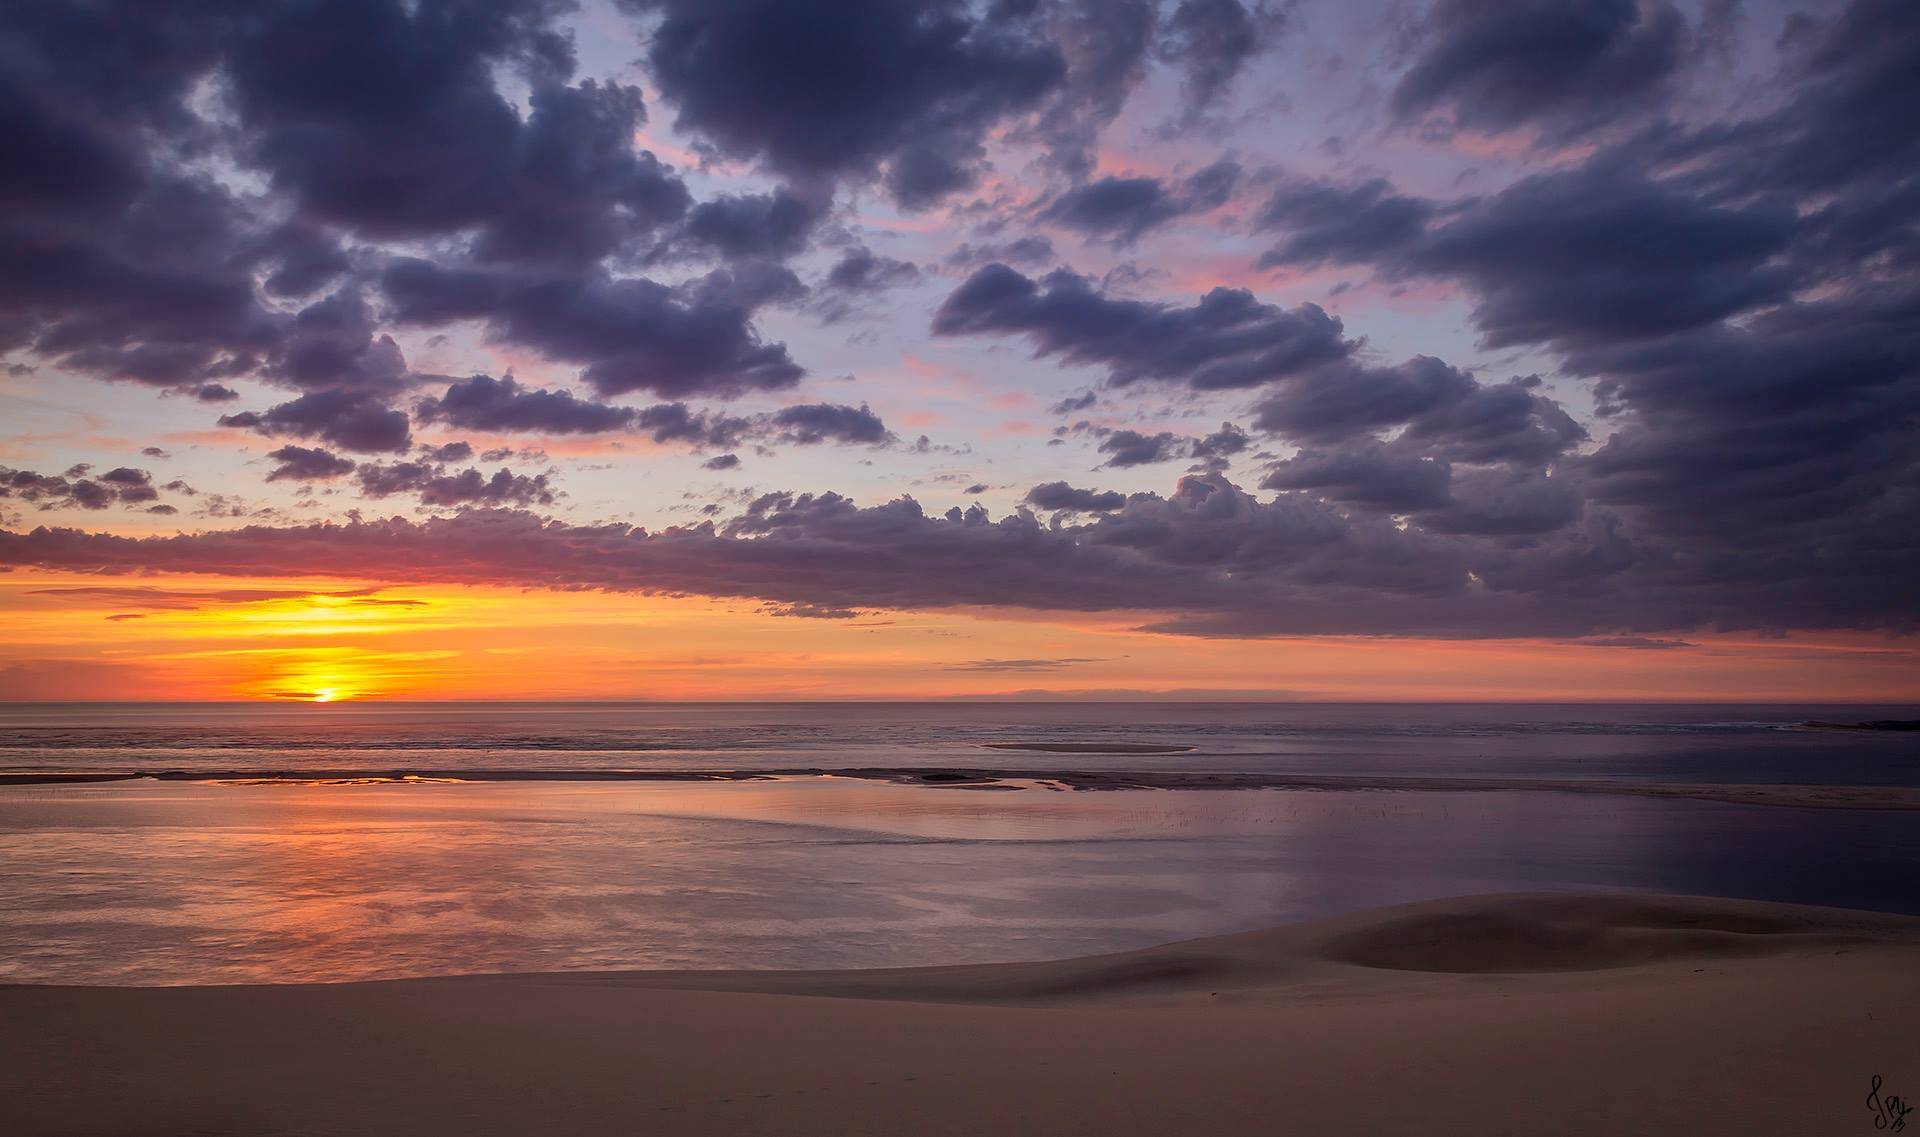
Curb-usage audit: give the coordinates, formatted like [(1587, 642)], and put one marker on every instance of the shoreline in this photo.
[(1595, 1013), (1900, 798)]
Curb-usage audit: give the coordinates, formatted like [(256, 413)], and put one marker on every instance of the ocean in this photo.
[(215, 876), (1659, 743)]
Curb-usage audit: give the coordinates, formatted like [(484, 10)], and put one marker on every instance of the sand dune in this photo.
[(1565, 1014)]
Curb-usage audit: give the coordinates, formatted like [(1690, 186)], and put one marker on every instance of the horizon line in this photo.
[(987, 700)]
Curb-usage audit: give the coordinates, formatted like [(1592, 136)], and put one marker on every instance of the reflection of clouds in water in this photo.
[(175, 882)]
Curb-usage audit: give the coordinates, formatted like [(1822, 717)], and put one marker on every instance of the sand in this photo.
[(1521, 1014), (1792, 795)]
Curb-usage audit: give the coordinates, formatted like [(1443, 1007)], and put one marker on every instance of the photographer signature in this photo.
[(1889, 1112)]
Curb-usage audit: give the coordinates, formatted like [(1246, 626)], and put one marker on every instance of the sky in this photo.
[(744, 349)]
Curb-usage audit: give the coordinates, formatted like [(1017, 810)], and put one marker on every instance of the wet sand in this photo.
[(1566, 1014), (1801, 796)]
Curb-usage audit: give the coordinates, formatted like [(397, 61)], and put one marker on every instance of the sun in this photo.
[(329, 695)]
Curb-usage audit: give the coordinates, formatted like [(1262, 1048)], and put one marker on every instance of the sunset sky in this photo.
[(735, 349)]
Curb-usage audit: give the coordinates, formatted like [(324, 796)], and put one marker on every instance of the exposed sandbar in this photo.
[(1802, 796), (1090, 747)]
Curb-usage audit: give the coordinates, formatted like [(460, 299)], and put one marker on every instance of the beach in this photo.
[(421, 920), (1530, 1013), (1071, 568)]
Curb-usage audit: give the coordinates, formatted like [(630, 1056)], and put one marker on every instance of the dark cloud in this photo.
[(861, 270), (1845, 127), (1599, 252), (1215, 451), (1332, 403), (306, 464), (1465, 457), (1209, 559), (122, 485), (1060, 495), (1605, 253), (722, 462), (448, 452), (1125, 448), (578, 191), (1837, 144), (385, 117), (303, 258), (630, 334), (207, 198), (1032, 251), (860, 273), (333, 343), (439, 487), (1211, 42), (381, 118), (1106, 45), (901, 89), (1491, 423), (1326, 222), (1775, 448), (1211, 186), (1740, 297), (755, 226), (482, 402), (675, 422), (1227, 340), (745, 286), (1495, 65), (1121, 210), (1505, 503), (351, 420), (828, 422), (118, 265), (1132, 448), (85, 494), (148, 282), (1757, 439), (503, 405), (1370, 475)]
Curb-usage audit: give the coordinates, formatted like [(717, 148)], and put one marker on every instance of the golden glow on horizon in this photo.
[(73, 636)]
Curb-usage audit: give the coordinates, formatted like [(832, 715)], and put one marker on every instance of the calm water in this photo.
[(195, 882), (1664, 743), (182, 882)]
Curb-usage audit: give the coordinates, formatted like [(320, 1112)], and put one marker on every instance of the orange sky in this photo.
[(73, 636)]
